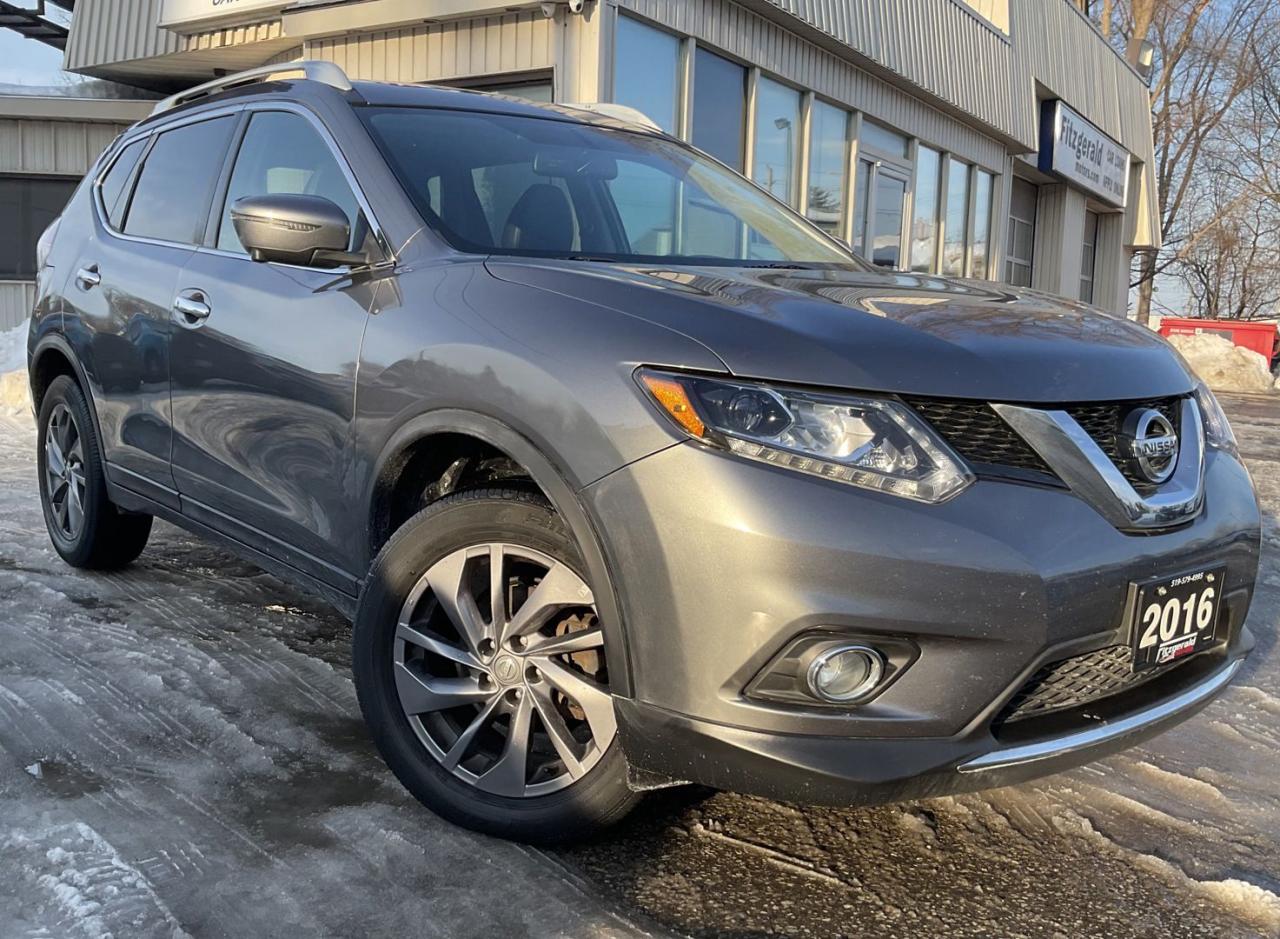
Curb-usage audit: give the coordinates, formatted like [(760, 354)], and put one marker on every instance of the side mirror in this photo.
[(294, 229)]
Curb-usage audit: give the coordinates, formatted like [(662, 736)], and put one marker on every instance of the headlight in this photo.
[(875, 443), (1217, 429)]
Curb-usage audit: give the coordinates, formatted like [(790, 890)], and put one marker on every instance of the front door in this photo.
[(880, 194), (263, 369)]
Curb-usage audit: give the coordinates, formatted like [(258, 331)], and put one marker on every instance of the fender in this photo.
[(552, 481)]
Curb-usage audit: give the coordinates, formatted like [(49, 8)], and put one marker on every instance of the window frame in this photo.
[(242, 111), (154, 134), (1010, 262), (1091, 253)]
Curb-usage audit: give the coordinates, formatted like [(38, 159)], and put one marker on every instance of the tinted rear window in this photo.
[(171, 200)]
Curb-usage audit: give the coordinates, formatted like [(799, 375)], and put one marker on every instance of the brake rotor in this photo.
[(587, 661)]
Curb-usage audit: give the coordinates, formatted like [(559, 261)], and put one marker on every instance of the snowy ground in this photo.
[(180, 753)]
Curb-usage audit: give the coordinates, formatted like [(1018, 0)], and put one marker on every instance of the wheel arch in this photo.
[(549, 478), (53, 356)]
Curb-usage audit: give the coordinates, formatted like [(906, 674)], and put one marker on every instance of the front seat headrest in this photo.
[(542, 220)]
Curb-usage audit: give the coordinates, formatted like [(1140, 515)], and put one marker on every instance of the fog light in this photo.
[(842, 674)]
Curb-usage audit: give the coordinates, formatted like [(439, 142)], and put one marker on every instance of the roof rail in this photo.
[(325, 72)]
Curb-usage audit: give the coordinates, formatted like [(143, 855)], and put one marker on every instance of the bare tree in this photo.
[(1206, 56)]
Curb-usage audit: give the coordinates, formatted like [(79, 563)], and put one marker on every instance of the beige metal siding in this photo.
[(732, 28), (490, 45), (1059, 47), (923, 42), (232, 36), (16, 301), (1056, 45), (107, 31), (64, 148)]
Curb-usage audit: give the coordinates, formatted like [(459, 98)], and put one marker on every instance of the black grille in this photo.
[(1076, 681), (980, 435), (1102, 423), (975, 431)]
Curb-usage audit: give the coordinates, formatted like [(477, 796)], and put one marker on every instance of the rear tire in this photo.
[(451, 690), (86, 528)]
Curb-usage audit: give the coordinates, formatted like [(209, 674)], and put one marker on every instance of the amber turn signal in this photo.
[(673, 398)]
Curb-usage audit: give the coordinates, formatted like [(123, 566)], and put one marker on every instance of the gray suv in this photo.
[(626, 474)]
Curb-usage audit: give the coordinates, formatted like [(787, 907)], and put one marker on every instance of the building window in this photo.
[(886, 141), (1088, 256), (537, 90), (646, 70), (1022, 233), (828, 163), (956, 234), (774, 164), (984, 185), (719, 107), (924, 224), (28, 206)]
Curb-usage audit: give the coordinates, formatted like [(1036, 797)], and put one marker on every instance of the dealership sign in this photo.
[(182, 12), (1075, 150)]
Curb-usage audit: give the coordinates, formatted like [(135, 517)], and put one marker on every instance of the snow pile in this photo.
[(1223, 365), (15, 396)]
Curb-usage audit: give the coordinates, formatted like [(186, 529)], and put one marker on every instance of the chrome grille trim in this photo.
[(1080, 463)]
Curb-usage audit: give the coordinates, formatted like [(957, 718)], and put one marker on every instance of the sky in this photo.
[(27, 62)]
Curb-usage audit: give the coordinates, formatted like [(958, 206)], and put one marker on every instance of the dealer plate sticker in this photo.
[(1175, 617)]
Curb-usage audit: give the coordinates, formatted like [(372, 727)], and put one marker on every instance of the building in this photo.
[(49, 137), (994, 139)]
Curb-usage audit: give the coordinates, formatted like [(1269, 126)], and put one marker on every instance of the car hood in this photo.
[(873, 331)]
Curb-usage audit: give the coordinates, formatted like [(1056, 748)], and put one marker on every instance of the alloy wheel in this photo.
[(500, 670), (64, 471)]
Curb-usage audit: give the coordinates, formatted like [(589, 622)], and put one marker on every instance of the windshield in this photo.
[(502, 184)]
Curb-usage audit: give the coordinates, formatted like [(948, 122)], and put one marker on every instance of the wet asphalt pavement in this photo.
[(180, 752)]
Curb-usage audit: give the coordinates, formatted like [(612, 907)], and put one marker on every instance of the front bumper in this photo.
[(723, 563), (841, 771)]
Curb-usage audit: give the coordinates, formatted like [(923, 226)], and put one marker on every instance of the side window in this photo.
[(112, 187), (283, 153), (172, 196)]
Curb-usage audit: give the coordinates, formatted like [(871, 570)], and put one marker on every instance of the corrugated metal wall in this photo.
[(1055, 44), (105, 31), (17, 298), (734, 29), (923, 41), (66, 148), (487, 45)]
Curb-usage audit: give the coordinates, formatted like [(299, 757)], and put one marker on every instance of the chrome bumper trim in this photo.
[(1082, 740)]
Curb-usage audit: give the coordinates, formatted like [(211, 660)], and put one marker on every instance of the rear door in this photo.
[(148, 213), (264, 381)]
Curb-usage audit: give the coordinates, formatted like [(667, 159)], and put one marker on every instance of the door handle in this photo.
[(192, 308), (88, 277)]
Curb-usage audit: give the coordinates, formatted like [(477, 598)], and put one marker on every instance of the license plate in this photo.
[(1175, 617)]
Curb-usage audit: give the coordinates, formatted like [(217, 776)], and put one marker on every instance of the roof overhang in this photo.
[(57, 108)]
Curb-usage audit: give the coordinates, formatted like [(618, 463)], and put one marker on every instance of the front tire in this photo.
[(86, 528), (481, 671)]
